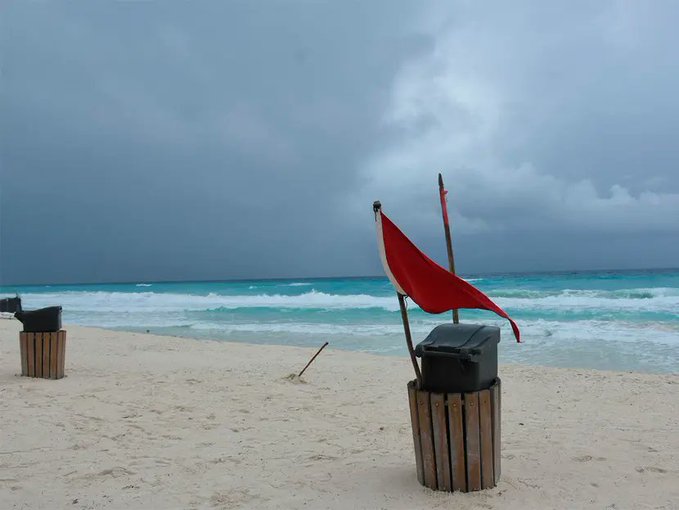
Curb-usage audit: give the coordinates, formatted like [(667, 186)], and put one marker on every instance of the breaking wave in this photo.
[(628, 322), (151, 301), (648, 300)]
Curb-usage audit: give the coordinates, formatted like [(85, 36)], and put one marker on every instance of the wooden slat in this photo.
[(38, 354), (497, 420), (486, 433), (415, 421), (24, 355), (61, 353), (458, 469), (54, 355), (426, 441), (471, 415), (46, 343), (456, 438), (30, 351), (440, 429)]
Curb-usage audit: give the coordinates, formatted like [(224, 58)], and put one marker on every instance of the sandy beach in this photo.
[(144, 421)]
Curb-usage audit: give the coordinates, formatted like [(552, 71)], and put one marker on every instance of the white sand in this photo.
[(144, 421)]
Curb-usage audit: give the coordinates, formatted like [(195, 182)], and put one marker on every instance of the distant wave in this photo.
[(650, 300), (149, 301), (629, 300), (641, 293), (302, 328), (628, 325)]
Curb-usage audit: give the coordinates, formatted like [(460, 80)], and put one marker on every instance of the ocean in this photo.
[(618, 320)]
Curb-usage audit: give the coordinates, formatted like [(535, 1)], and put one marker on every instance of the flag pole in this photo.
[(377, 209), (409, 338), (449, 241)]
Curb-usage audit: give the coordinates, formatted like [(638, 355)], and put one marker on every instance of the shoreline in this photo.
[(403, 354), (143, 420)]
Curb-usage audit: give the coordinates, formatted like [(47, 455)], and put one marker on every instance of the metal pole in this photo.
[(449, 241), (409, 338)]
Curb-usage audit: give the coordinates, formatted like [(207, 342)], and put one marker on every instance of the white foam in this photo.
[(150, 301), (594, 331), (556, 338), (654, 300), (297, 328), (643, 299), (534, 332)]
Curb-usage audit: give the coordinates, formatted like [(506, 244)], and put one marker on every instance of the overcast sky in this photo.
[(214, 140)]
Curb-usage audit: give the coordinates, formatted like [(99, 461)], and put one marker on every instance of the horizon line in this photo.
[(364, 277)]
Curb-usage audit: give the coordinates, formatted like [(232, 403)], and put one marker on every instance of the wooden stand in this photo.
[(43, 354), (457, 438)]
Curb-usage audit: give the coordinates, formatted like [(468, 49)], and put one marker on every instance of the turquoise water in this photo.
[(621, 320)]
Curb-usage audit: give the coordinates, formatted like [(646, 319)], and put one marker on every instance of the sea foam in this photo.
[(618, 321), (643, 299)]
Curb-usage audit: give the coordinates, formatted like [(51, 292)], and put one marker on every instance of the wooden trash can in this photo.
[(457, 438), (43, 354)]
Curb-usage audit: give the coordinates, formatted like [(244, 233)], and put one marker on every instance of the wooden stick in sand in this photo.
[(449, 241), (312, 359)]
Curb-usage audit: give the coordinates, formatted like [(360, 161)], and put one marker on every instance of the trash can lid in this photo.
[(458, 339)]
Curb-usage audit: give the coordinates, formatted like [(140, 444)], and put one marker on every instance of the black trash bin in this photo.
[(42, 320), (459, 358), (10, 305)]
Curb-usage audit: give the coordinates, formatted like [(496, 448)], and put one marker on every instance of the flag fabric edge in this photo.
[(470, 297)]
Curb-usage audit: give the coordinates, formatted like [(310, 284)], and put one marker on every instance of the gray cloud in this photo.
[(549, 123), (223, 140)]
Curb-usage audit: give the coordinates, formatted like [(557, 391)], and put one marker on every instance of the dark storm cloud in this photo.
[(148, 140), (190, 140)]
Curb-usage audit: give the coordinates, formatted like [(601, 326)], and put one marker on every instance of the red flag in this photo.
[(432, 287)]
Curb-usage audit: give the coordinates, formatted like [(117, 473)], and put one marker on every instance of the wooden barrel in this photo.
[(43, 354), (457, 438)]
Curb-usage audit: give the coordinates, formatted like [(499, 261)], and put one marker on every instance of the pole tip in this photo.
[(440, 180), (377, 205)]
